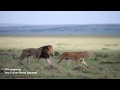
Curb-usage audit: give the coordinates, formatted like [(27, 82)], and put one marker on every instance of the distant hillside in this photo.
[(90, 29), (9, 25), (29, 27)]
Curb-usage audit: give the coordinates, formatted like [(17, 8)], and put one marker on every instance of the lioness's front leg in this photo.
[(83, 62), (76, 62), (68, 61)]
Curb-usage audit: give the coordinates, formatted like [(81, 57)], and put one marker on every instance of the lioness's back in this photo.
[(71, 55)]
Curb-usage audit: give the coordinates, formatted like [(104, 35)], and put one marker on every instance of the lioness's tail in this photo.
[(16, 58), (57, 57)]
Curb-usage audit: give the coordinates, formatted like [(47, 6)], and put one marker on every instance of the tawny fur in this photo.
[(42, 52), (75, 56)]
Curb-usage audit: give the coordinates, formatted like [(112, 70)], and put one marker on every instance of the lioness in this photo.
[(42, 52), (76, 56)]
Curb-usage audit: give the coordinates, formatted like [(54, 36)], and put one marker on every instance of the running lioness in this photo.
[(76, 56)]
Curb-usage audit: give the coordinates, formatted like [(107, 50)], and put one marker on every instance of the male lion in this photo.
[(76, 56), (42, 52)]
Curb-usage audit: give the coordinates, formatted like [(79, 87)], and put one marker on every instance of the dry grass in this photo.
[(62, 43)]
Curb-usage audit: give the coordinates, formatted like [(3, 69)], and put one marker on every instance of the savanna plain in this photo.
[(104, 61)]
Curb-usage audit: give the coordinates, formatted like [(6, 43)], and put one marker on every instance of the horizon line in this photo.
[(60, 24)]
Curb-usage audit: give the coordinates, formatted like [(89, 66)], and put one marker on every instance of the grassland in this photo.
[(104, 62)]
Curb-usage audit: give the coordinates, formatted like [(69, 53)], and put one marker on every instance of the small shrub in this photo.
[(56, 53), (105, 48), (96, 59)]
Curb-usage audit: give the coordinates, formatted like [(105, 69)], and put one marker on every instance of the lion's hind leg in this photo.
[(22, 57), (28, 60)]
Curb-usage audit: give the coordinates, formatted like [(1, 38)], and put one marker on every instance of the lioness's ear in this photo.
[(82, 54)]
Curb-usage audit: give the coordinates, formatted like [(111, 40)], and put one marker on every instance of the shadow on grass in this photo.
[(81, 68), (109, 62), (50, 67)]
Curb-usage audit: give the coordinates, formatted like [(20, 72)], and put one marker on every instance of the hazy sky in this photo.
[(60, 17)]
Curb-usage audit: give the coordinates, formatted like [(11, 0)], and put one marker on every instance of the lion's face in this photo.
[(51, 51)]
